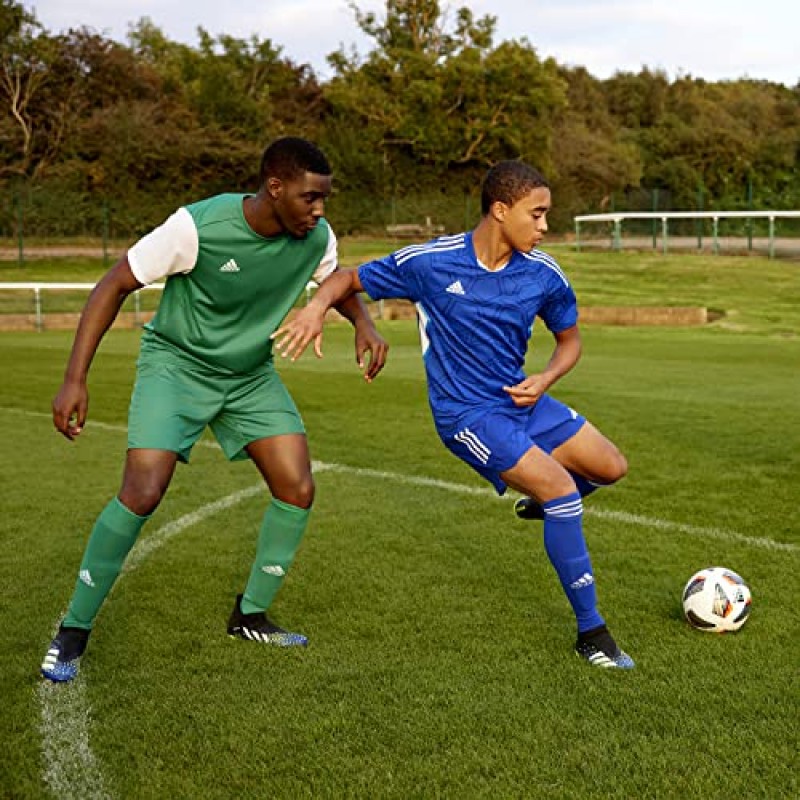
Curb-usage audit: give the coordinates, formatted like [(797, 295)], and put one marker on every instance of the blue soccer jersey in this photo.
[(475, 323)]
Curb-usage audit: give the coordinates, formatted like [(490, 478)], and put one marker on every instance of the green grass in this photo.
[(440, 662)]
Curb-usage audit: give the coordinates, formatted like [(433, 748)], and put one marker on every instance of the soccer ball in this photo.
[(716, 600)]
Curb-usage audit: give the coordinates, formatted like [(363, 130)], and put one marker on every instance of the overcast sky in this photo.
[(711, 39)]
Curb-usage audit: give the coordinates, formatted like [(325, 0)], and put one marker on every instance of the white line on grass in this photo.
[(71, 769), (600, 513), (434, 483)]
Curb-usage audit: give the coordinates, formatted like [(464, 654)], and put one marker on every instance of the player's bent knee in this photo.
[(300, 495), (614, 469), (141, 500)]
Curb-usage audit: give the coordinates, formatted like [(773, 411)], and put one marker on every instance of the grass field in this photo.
[(441, 659)]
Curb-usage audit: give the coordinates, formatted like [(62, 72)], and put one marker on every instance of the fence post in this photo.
[(716, 235), (772, 237), (20, 235), (617, 234), (37, 305), (700, 221), (578, 235), (653, 223), (664, 235), (748, 221)]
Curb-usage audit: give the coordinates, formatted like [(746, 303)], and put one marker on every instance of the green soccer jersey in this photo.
[(227, 288)]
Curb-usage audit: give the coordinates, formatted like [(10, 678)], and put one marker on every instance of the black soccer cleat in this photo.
[(528, 508), (598, 647), (257, 628), (62, 658)]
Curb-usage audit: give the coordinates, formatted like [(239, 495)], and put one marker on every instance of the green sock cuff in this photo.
[(116, 510), (289, 507)]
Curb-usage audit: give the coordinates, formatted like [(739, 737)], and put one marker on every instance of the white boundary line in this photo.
[(70, 767), (624, 517)]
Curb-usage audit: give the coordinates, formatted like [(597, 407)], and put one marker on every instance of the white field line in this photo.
[(624, 517), (70, 767), (617, 516), (71, 770)]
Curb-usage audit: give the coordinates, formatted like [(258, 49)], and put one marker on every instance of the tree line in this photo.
[(91, 128)]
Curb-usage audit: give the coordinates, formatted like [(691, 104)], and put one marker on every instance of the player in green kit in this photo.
[(234, 266)]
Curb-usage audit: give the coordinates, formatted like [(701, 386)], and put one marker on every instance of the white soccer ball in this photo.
[(716, 600)]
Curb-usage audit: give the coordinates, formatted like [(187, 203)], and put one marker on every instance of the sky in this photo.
[(710, 39)]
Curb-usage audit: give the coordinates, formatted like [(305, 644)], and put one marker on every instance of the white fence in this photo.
[(617, 219), (39, 289)]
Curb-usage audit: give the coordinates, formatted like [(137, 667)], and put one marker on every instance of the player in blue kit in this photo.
[(477, 295)]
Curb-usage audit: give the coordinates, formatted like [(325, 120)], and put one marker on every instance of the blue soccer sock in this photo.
[(566, 549), (585, 486)]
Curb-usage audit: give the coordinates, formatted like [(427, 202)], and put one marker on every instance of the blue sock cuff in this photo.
[(570, 505)]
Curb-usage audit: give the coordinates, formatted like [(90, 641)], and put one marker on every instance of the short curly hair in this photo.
[(290, 157), (508, 181)]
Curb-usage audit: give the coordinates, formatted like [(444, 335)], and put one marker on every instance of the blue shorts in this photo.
[(495, 442)]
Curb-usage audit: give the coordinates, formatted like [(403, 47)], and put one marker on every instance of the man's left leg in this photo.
[(285, 465), (591, 459), (539, 475)]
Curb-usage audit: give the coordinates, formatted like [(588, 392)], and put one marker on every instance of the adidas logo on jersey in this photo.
[(229, 266), (455, 288)]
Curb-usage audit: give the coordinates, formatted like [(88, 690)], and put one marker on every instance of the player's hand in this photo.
[(70, 407), (368, 340), (293, 337), (528, 392)]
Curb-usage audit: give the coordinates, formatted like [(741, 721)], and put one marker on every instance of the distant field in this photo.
[(440, 663), (752, 293)]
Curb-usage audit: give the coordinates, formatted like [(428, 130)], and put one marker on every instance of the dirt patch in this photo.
[(66, 322), (399, 309), (678, 316)]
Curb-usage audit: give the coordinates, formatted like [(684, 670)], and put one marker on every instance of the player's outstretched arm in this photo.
[(294, 336), (565, 355), (71, 404)]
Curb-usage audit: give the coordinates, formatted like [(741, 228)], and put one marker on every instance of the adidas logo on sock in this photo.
[(229, 266), (455, 288), (86, 577), (274, 569), (587, 579)]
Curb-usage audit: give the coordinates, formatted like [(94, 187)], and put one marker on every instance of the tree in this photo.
[(439, 100), (26, 57), (244, 86)]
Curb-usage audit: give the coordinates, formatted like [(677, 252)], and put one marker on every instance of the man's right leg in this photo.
[(146, 478)]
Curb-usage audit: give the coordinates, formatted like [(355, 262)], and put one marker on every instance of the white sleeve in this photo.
[(169, 249), (329, 259)]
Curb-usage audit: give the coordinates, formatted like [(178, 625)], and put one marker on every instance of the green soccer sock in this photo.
[(112, 537), (282, 529)]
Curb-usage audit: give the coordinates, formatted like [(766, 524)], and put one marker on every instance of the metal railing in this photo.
[(617, 218)]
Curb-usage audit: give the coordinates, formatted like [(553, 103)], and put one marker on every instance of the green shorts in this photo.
[(172, 403)]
